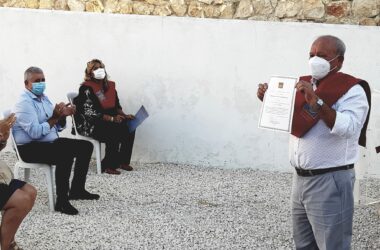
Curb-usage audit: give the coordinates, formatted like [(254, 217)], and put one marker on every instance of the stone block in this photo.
[(212, 11), (125, 7), (46, 4), (94, 6), (157, 2), (179, 7), (227, 11), (195, 9), (111, 6), (76, 5), (142, 8), (313, 9), (61, 5), (206, 1), (263, 7), (15, 4), (32, 4), (338, 9), (368, 21), (366, 8), (244, 9), (162, 10), (288, 9)]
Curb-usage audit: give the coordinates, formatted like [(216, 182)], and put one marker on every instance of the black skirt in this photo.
[(6, 191)]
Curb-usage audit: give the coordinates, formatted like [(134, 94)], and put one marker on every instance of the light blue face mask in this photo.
[(38, 88)]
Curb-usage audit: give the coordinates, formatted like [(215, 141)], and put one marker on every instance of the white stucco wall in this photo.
[(196, 77)]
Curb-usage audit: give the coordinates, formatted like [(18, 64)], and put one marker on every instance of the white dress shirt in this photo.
[(322, 147)]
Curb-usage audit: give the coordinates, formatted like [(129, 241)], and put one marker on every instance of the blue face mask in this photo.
[(38, 88)]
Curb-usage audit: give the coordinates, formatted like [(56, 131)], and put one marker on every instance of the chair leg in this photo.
[(26, 174), (53, 168), (16, 172), (50, 183), (98, 157)]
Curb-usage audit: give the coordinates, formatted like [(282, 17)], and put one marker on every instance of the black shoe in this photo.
[(83, 195), (126, 167), (112, 171), (66, 208)]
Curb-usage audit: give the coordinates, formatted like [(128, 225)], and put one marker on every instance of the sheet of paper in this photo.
[(278, 104), (140, 116)]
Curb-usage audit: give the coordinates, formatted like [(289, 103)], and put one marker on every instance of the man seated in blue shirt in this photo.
[(36, 134)]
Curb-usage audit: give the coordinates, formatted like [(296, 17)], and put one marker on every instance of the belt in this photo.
[(312, 172)]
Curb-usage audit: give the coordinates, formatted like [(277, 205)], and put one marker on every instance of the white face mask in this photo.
[(99, 74), (320, 67)]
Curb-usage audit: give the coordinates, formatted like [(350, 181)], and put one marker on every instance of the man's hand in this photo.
[(306, 89), (327, 114), (58, 113), (130, 117), (5, 127), (261, 90), (58, 110), (68, 110)]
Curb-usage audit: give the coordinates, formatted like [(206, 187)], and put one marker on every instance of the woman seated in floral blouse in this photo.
[(100, 116)]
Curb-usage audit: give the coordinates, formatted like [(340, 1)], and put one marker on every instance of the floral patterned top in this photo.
[(89, 111)]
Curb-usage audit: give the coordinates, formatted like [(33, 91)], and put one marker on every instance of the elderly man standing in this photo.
[(36, 135), (329, 122)]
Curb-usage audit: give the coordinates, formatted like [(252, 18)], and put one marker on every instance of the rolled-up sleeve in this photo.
[(351, 113), (27, 119)]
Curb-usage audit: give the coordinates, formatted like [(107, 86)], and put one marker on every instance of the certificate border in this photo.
[(291, 113)]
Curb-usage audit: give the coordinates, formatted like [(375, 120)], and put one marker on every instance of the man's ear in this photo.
[(26, 82), (340, 61)]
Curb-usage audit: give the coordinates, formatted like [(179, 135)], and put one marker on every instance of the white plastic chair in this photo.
[(96, 143), (48, 169)]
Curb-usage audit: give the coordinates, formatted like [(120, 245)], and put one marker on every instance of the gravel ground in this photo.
[(170, 206)]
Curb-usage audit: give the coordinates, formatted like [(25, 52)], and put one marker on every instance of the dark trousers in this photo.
[(118, 140), (61, 153)]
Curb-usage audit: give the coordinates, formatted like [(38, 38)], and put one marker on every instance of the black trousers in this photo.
[(118, 140), (61, 153)]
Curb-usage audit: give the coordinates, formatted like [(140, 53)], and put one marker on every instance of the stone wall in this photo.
[(363, 12)]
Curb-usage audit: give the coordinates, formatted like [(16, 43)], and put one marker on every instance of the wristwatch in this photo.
[(320, 102)]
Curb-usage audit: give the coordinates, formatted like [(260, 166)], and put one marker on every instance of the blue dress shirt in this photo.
[(32, 113)]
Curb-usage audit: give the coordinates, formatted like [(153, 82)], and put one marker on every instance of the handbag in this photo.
[(6, 174)]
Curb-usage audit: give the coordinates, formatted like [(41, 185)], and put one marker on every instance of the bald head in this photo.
[(334, 42), (331, 49)]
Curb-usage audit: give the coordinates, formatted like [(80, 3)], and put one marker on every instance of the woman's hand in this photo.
[(119, 118), (125, 116)]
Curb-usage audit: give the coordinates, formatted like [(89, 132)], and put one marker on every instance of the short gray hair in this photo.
[(30, 71), (339, 44)]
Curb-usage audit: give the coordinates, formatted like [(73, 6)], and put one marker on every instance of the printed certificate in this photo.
[(278, 104)]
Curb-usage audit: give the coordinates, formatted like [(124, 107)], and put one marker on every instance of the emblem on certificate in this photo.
[(278, 104)]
